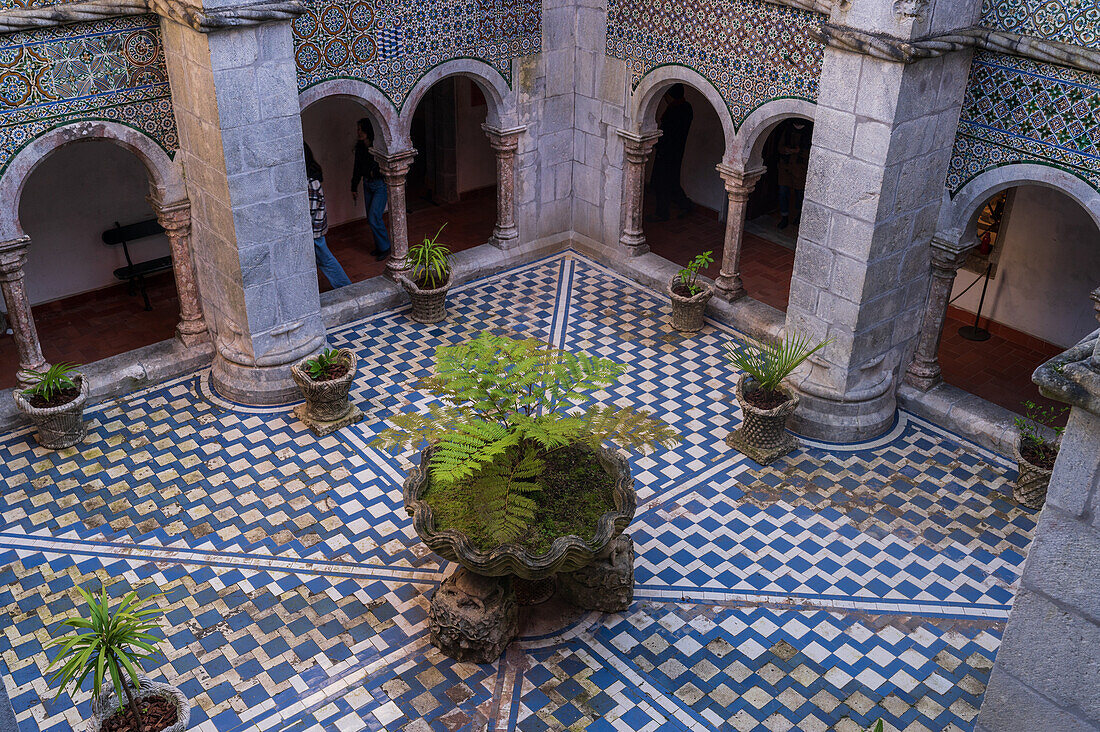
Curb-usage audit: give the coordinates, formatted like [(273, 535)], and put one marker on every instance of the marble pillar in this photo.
[(505, 142), (13, 257), (924, 369), (739, 186), (638, 148), (176, 220), (395, 169)]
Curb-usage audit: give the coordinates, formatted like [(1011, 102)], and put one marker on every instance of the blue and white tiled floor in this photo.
[(844, 584)]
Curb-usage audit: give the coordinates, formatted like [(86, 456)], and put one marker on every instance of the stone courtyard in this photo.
[(846, 583)]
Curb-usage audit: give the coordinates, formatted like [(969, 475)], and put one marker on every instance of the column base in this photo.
[(192, 333), (635, 244), (729, 291), (255, 385), (923, 378), (505, 238), (835, 420)]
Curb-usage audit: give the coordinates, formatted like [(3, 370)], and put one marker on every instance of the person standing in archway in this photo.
[(668, 159), (318, 215), (794, 159), (375, 194)]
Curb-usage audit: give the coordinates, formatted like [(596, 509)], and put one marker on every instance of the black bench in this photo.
[(134, 274)]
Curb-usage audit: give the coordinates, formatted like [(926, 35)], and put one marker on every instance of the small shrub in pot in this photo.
[(1035, 453), (55, 403), (765, 401), (325, 382), (429, 279), (689, 295)]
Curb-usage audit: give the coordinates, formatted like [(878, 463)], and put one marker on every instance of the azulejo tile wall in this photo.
[(1017, 110), (106, 70), (751, 51), (392, 43), (1068, 21)]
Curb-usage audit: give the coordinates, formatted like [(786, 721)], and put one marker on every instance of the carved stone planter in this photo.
[(106, 704), (58, 427), (473, 613), (763, 434), (327, 408), (687, 312), (1032, 482), (428, 306)]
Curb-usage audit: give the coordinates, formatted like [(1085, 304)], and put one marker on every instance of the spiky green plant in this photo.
[(772, 362), (689, 276), (106, 644), (55, 379), (430, 261), (506, 404), (878, 727)]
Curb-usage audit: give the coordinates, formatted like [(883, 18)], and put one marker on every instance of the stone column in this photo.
[(395, 169), (1095, 295), (235, 97), (924, 369), (739, 186), (883, 134), (638, 148), (176, 220), (13, 256), (504, 144)]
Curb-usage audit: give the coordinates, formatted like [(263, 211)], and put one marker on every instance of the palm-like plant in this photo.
[(770, 363), (105, 644), (50, 382), (431, 261)]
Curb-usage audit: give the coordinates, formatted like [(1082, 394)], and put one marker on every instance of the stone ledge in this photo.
[(988, 424)]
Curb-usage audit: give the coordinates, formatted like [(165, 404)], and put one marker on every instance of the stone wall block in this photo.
[(1011, 706), (834, 130), (840, 74), (879, 90), (846, 185), (1063, 562), (234, 49), (872, 140), (1076, 474)]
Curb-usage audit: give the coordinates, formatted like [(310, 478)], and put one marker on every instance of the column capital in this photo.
[(395, 165), (13, 255), (1095, 297), (947, 257), (639, 140), (504, 139), (739, 182), (174, 217)]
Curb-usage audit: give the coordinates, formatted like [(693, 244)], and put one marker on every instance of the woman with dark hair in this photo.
[(374, 188), (327, 263)]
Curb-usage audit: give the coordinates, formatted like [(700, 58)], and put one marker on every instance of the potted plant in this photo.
[(689, 295), (429, 279), (55, 403), (765, 401), (114, 645), (516, 480), (1035, 453), (325, 381)]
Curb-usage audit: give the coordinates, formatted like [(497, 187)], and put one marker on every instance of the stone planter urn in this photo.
[(61, 426), (428, 306), (327, 407), (473, 614), (106, 703), (1032, 481), (688, 310), (763, 433)]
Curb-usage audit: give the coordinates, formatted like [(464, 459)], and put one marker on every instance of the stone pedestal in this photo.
[(638, 148), (395, 169), (739, 186), (235, 98), (505, 143), (176, 220), (473, 618), (924, 370), (606, 585), (13, 257)]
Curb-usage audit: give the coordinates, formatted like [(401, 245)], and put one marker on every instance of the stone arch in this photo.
[(380, 110), (165, 178), (501, 111), (958, 216), (647, 95), (760, 123)]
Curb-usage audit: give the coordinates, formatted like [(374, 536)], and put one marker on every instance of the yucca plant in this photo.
[(107, 644), (506, 405), (430, 261), (52, 381), (772, 362)]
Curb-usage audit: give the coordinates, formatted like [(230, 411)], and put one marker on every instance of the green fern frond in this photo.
[(626, 427), (504, 493)]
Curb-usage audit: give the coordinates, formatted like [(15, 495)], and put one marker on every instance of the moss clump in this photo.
[(574, 492)]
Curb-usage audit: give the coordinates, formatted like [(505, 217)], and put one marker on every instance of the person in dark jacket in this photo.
[(668, 158), (318, 215), (794, 159), (374, 188)]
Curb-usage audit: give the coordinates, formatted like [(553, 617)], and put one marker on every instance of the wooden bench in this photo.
[(134, 274)]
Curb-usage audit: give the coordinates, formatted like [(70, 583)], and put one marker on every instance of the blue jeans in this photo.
[(328, 265), (785, 196), (375, 196)]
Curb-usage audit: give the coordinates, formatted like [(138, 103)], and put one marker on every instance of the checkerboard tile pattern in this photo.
[(843, 583)]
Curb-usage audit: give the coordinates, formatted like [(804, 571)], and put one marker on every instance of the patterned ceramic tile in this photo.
[(1018, 110), (392, 43), (108, 70), (842, 584), (1068, 21), (751, 51)]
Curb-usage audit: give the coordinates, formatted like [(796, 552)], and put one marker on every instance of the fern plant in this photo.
[(689, 276), (505, 405), (431, 261), (52, 381), (769, 364)]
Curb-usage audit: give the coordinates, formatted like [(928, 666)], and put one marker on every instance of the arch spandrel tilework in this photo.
[(1069, 21), (105, 70), (393, 43), (751, 51), (1017, 110)]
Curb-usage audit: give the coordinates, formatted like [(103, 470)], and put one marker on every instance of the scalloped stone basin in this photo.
[(567, 553)]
